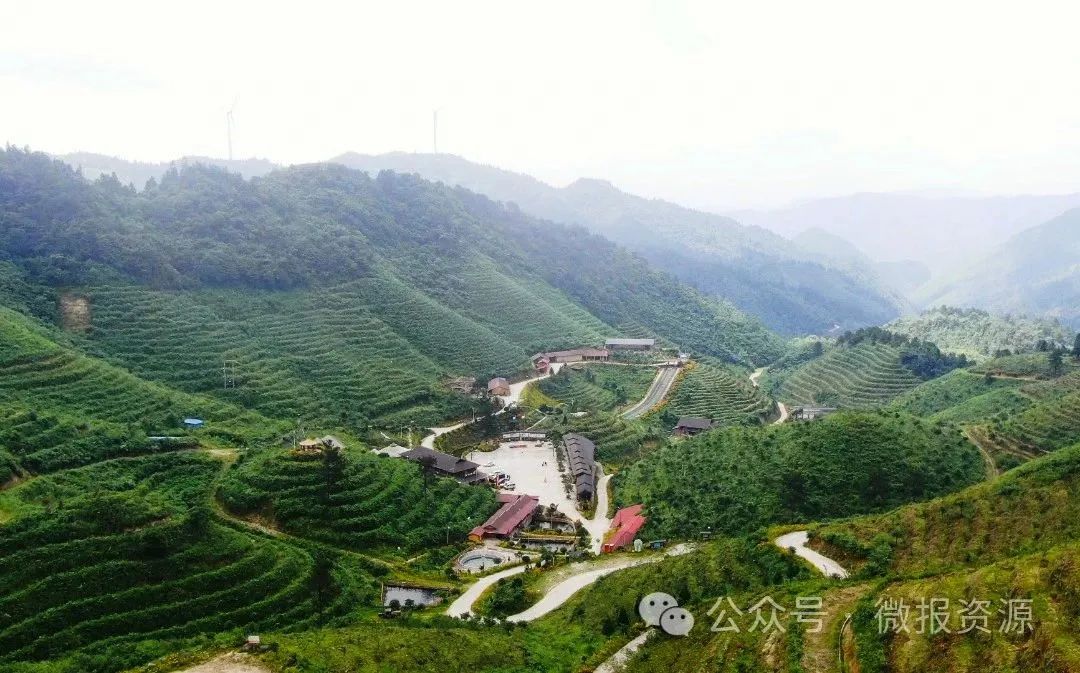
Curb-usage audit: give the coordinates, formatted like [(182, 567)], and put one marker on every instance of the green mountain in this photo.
[(1035, 273), (790, 288), (319, 293)]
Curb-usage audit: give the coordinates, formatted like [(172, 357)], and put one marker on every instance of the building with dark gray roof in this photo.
[(581, 456)]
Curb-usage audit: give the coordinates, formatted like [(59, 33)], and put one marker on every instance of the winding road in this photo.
[(657, 392), (561, 592), (797, 542)]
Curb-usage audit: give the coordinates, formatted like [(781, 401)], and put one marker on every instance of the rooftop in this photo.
[(694, 423), (626, 525), (513, 510), (442, 462), (631, 342)]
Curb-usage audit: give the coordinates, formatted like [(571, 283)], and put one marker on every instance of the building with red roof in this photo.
[(515, 512), (624, 528)]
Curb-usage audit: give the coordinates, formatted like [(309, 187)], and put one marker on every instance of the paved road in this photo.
[(755, 378), (463, 605), (561, 592), (657, 391), (617, 661), (826, 565)]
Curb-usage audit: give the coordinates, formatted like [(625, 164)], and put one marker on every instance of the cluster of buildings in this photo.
[(543, 361)]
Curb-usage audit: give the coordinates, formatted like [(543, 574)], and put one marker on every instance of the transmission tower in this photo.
[(228, 373)]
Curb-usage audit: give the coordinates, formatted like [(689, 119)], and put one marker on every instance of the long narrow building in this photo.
[(581, 456)]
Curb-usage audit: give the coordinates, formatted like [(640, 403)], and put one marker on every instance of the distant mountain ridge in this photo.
[(935, 229), (1035, 271), (791, 289)]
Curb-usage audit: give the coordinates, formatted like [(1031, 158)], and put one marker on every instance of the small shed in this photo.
[(499, 386), (194, 422), (688, 426)]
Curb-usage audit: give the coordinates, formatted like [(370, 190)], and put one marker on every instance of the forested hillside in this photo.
[(791, 289), (981, 335), (321, 293), (735, 480)]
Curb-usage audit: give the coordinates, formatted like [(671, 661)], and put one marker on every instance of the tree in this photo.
[(426, 465), (1057, 364), (1076, 348)]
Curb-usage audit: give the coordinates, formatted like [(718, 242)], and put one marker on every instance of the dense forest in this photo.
[(735, 480)]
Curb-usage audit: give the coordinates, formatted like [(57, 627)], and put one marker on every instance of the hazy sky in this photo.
[(712, 104)]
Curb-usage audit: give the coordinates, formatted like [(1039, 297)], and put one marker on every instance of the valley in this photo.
[(234, 408)]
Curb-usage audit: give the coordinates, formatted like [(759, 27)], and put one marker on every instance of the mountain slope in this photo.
[(760, 272), (1034, 272), (935, 229), (328, 295)]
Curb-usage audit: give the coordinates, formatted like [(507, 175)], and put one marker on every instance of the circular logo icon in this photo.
[(676, 621), (653, 605)]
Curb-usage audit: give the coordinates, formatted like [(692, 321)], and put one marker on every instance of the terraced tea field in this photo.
[(364, 502), (135, 561), (712, 390), (36, 372), (856, 377), (598, 387), (617, 439), (1051, 422)]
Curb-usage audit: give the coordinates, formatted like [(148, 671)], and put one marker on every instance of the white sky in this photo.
[(712, 104)]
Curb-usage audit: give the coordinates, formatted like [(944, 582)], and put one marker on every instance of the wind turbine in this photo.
[(229, 126), (435, 131)]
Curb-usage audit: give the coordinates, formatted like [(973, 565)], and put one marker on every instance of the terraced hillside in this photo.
[(347, 355), (1030, 509), (856, 377), (1050, 422), (360, 501), (119, 562), (724, 394), (40, 443), (598, 387), (39, 373), (617, 439)]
